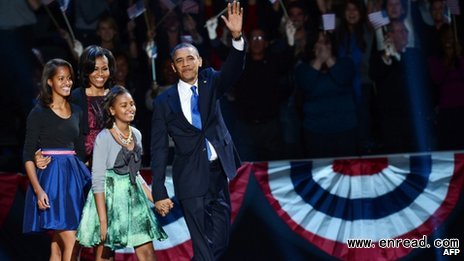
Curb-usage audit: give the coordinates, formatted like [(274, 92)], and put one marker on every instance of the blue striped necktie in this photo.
[(196, 118)]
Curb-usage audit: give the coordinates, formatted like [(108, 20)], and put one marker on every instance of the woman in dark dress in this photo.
[(96, 72)]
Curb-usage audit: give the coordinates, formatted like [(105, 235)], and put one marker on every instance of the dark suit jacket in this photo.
[(190, 167)]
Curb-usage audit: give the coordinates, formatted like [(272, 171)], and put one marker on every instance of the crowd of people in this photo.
[(312, 87)]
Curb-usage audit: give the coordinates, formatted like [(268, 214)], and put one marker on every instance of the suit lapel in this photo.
[(174, 100), (204, 97), (174, 104)]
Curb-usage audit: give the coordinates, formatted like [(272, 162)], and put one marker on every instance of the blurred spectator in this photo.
[(297, 29), (191, 33), (17, 68), (258, 97), (402, 102), (25, 24), (169, 34), (437, 12), (447, 72), (86, 15), (108, 34), (109, 37), (262, 14), (396, 9), (355, 41), (325, 90), (305, 29)]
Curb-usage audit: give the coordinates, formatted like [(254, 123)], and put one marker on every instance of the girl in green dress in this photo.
[(118, 215)]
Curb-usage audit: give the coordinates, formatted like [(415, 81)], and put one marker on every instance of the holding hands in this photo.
[(164, 206)]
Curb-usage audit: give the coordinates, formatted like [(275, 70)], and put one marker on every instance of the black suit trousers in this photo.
[(208, 217)]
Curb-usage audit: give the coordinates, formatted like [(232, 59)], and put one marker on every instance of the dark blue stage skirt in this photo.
[(66, 180)]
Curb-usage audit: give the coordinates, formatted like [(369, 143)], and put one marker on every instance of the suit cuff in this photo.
[(239, 45)]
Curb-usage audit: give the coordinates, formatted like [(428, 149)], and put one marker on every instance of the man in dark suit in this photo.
[(205, 157)]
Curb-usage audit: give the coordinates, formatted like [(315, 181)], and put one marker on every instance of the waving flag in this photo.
[(169, 4), (453, 6), (331, 202), (46, 2), (328, 22), (136, 9), (378, 19), (189, 7)]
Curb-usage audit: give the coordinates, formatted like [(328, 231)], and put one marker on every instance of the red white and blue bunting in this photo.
[(326, 202)]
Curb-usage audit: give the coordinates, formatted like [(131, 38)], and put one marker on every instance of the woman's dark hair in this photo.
[(344, 35), (446, 33), (311, 43), (49, 70), (87, 64), (110, 97)]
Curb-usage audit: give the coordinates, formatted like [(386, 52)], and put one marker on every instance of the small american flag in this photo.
[(189, 7), (46, 2), (379, 19), (64, 5), (328, 22), (136, 9), (453, 6), (169, 4)]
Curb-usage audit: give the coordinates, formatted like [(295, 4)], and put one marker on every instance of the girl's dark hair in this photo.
[(49, 70), (344, 35), (87, 64), (110, 97)]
